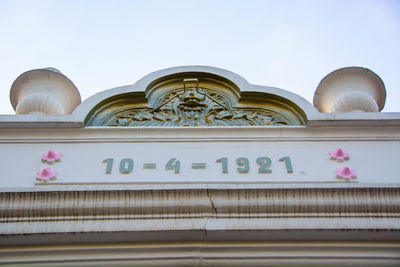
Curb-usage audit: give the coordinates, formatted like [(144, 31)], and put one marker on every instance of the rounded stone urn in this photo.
[(350, 89), (44, 91)]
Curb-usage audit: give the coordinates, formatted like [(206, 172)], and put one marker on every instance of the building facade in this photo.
[(194, 166)]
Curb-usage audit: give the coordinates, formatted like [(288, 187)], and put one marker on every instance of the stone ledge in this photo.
[(206, 254), (202, 211)]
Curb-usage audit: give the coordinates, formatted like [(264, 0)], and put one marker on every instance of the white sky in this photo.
[(287, 44)]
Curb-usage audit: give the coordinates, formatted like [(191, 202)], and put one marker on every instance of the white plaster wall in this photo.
[(374, 153), (82, 163)]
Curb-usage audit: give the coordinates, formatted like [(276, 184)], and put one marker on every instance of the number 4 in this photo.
[(173, 164)]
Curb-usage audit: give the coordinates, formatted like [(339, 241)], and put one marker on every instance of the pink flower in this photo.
[(345, 173), (46, 174), (339, 154), (51, 156)]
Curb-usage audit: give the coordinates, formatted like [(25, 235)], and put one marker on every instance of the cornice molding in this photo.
[(207, 211), (200, 134), (206, 254)]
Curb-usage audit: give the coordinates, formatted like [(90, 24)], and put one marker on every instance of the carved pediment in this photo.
[(195, 100)]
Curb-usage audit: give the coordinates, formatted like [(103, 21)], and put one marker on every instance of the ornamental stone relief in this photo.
[(195, 102)]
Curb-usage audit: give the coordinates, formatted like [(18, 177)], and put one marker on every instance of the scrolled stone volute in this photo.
[(351, 89), (44, 91)]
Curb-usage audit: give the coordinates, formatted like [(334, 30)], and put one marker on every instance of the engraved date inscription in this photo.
[(262, 164)]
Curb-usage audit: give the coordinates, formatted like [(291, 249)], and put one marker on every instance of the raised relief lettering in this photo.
[(264, 165)]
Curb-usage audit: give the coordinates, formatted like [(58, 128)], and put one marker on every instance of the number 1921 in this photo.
[(264, 164)]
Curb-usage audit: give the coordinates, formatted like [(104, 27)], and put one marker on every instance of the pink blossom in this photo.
[(339, 154), (345, 173), (51, 156), (46, 174)]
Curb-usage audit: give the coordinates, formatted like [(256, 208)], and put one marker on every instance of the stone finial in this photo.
[(44, 91), (351, 89)]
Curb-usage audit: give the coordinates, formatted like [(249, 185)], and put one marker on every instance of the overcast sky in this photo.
[(287, 44)]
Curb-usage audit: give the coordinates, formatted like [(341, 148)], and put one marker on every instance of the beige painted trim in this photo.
[(206, 254), (201, 214), (200, 134)]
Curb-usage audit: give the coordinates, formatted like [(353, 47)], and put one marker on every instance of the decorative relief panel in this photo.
[(196, 102)]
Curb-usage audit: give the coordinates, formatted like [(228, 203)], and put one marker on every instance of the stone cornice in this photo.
[(205, 211), (206, 254), (195, 134)]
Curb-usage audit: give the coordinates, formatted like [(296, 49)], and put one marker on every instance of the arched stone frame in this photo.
[(242, 104)]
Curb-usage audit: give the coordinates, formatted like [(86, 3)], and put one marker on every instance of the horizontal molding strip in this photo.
[(333, 209), (206, 254)]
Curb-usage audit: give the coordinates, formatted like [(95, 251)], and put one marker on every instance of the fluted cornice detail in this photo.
[(200, 209)]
